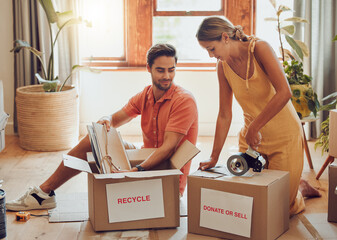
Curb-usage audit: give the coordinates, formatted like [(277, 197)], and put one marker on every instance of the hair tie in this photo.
[(238, 28)]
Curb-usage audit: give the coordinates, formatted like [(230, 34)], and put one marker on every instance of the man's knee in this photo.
[(81, 149)]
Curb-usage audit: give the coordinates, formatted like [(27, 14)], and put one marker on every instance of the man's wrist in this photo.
[(105, 118), (140, 168)]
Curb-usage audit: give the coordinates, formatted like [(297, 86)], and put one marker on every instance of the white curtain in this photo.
[(318, 34), (67, 54)]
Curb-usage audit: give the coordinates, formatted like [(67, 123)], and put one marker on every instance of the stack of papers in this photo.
[(107, 148)]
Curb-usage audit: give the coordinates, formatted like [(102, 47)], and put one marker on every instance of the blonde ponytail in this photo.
[(239, 34), (211, 29)]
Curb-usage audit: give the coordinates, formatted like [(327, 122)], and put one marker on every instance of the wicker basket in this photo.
[(47, 121)]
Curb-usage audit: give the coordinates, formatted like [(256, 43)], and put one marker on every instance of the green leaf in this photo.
[(273, 3), (304, 47), (296, 19), (49, 10), (271, 19), (68, 18), (296, 93), (20, 44), (50, 86), (312, 106), (282, 8), (332, 95), (64, 17), (295, 46), (335, 38), (288, 30)]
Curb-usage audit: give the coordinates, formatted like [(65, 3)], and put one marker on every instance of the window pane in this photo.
[(180, 32), (106, 36), (188, 5), (267, 30)]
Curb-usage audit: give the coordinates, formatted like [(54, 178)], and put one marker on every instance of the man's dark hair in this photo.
[(158, 50)]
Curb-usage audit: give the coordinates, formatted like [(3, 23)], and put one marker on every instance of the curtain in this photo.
[(321, 65), (27, 22), (31, 25), (67, 54)]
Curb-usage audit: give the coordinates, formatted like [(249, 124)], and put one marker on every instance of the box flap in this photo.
[(252, 178), (76, 163), (184, 153), (145, 174), (139, 154)]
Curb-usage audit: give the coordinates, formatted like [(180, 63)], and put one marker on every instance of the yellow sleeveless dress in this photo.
[(281, 142)]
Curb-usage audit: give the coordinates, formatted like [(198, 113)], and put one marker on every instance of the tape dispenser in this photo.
[(240, 163)]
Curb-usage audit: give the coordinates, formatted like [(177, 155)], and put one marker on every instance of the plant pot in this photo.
[(47, 121), (300, 103)]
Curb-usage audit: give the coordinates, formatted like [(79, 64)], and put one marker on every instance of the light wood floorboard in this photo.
[(20, 169)]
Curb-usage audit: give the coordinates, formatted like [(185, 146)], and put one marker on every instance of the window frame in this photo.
[(138, 16)]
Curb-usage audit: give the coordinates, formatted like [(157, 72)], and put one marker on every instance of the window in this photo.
[(267, 30), (120, 41)]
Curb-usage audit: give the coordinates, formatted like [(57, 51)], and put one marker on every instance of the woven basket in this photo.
[(47, 121)]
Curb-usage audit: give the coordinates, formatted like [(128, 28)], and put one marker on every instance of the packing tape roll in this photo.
[(237, 164)]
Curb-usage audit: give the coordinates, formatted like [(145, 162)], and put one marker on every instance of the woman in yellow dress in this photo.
[(248, 68)]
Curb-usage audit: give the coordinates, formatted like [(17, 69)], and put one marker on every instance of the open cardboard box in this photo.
[(135, 200), (234, 207)]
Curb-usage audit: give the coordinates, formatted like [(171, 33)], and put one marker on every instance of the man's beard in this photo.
[(161, 87)]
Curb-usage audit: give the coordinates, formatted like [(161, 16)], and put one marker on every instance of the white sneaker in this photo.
[(34, 198)]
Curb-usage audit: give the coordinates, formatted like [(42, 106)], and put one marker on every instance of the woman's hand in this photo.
[(207, 164), (253, 138), (105, 121)]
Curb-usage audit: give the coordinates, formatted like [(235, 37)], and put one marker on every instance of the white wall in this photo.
[(7, 59), (102, 94)]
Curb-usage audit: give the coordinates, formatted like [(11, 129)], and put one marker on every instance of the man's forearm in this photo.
[(157, 157)]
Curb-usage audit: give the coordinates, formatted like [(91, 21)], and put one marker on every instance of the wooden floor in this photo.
[(20, 169)]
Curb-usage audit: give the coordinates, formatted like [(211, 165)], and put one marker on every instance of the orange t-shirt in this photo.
[(176, 111)]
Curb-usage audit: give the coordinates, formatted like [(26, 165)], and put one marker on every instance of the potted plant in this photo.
[(331, 103), (303, 98), (48, 114)]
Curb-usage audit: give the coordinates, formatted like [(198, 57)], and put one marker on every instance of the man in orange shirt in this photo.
[(169, 116)]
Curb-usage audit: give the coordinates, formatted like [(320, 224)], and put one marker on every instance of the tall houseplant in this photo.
[(57, 22), (303, 98), (48, 118), (330, 103)]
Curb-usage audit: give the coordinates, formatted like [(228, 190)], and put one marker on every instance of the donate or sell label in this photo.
[(226, 212), (135, 200)]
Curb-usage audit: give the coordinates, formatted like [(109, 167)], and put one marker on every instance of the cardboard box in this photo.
[(232, 207), (332, 201), (333, 133), (135, 200)]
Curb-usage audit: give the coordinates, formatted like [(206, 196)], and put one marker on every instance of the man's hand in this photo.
[(105, 121), (207, 164), (134, 169)]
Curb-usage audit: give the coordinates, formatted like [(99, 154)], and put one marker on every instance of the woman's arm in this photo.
[(273, 69), (224, 118)]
